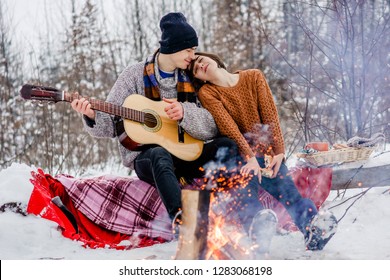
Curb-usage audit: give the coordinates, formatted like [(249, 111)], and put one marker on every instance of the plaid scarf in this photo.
[(184, 87)]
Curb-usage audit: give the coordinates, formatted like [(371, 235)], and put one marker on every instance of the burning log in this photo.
[(227, 241), (209, 228), (229, 251), (205, 233), (192, 243)]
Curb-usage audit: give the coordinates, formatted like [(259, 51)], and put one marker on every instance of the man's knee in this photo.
[(158, 154)]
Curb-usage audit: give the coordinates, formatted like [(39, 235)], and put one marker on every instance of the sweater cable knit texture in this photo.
[(239, 109)]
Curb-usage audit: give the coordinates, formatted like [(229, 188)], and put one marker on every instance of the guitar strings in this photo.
[(147, 117)]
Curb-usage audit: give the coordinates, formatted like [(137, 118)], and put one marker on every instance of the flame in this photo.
[(226, 239)]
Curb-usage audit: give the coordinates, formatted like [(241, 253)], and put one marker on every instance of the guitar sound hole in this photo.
[(150, 120)]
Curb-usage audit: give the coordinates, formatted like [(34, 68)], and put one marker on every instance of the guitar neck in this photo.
[(112, 109)]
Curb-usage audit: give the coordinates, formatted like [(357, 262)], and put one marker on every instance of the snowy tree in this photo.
[(337, 66), (326, 62), (12, 138)]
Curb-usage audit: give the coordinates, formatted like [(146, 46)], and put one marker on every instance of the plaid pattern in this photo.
[(121, 204), (185, 89), (130, 206)]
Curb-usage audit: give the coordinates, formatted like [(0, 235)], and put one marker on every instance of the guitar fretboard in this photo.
[(113, 109)]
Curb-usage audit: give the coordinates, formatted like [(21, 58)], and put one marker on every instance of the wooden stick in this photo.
[(192, 243)]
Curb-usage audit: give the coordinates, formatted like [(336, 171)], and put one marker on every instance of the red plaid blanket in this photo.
[(121, 204), (110, 209), (78, 223)]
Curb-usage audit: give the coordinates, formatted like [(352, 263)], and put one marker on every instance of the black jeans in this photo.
[(158, 167)]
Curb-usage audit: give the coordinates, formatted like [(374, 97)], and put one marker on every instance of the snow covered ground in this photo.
[(30, 247), (363, 233)]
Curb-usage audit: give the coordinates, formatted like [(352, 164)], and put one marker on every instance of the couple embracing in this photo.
[(218, 108)]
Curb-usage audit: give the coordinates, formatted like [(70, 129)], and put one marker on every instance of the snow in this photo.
[(363, 233), (362, 242)]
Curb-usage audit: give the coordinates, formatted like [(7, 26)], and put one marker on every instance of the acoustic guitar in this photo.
[(144, 120)]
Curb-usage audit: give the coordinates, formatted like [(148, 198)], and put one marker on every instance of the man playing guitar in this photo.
[(163, 77)]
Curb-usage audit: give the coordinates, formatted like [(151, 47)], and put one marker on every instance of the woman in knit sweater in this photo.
[(240, 102)]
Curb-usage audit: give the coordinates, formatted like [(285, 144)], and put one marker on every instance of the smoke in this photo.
[(337, 67), (260, 139), (224, 172)]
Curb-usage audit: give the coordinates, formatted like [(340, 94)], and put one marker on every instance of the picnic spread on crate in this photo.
[(356, 149)]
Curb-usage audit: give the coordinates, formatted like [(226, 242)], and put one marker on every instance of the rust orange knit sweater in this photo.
[(239, 109)]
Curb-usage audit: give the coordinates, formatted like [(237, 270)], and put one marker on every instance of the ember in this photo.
[(209, 228)]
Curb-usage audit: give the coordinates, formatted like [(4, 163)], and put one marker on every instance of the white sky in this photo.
[(30, 21), (28, 16)]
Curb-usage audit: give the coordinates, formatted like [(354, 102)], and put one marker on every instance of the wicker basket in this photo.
[(337, 156)]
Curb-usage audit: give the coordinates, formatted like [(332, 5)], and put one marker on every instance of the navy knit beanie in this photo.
[(177, 34)]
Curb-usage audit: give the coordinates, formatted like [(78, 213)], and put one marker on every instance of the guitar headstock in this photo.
[(41, 93)]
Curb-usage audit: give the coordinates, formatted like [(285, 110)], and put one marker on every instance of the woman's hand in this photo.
[(252, 165), (275, 164)]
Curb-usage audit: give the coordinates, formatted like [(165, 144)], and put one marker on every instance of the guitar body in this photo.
[(144, 121), (162, 130)]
